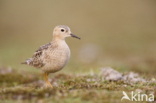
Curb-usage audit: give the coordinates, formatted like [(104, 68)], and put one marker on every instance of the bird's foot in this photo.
[(46, 79)]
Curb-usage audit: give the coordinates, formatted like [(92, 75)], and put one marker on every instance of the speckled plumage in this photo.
[(53, 56)]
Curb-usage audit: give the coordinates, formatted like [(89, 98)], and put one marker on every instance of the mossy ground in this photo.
[(88, 88)]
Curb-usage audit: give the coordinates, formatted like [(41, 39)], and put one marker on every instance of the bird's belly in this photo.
[(56, 61), (55, 66)]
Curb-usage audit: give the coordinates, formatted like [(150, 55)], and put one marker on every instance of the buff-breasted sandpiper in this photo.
[(53, 56)]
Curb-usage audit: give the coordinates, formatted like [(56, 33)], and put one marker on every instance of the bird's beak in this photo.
[(74, 36)]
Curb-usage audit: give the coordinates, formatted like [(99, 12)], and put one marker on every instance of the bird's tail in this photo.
[(27, 61)]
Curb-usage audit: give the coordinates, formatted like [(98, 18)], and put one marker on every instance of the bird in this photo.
[(52, 57)]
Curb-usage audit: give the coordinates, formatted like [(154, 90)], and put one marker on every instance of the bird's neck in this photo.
[(58, 41), (57, 38)]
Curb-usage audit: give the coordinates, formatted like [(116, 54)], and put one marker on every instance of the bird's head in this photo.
[(63, 31)]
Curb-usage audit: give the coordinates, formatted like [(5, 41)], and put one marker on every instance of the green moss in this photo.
[(14, 79), (67, 88)]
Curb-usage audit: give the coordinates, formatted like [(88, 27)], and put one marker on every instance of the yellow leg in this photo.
[(46, 79)]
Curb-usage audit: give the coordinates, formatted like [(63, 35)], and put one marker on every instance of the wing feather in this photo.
[(36, 60)]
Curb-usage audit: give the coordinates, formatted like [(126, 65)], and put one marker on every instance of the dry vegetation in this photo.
[(67, 88)]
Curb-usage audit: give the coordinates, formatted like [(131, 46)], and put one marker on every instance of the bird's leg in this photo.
[(46, 81), (46, 78)]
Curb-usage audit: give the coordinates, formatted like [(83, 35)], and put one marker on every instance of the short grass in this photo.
[(88, 88)]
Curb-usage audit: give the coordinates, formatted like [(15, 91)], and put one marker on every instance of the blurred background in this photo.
[(115, 33)]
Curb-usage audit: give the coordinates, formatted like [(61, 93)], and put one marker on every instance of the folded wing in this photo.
[(36, 60)]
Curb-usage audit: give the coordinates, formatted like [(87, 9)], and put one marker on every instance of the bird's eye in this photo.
[(62, 30)]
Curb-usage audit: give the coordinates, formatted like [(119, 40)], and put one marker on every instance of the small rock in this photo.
[(110, 74), (46, 94), (138, 90), (124, 85), (133, 78), (88, 80), (6, 70)]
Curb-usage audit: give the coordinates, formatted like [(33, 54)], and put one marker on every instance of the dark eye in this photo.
[(62, 30)]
